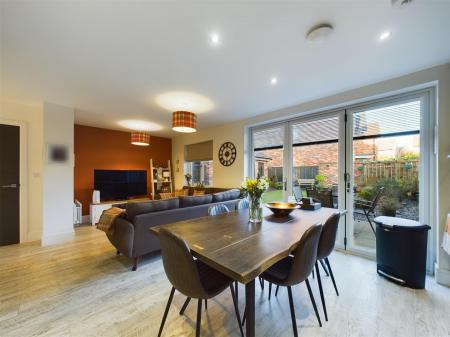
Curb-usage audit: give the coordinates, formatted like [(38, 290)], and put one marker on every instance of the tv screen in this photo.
[(120, 184)]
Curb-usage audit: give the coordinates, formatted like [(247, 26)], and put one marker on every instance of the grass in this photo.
[(275, 195)]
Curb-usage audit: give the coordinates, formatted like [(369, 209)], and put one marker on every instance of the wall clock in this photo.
[(227, 154)]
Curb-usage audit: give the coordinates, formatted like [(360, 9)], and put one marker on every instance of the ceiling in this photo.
[(116, 61)]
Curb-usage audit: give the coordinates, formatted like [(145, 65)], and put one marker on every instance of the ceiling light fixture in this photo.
[(273, 81), (140, 138), (319, 32), (215, 39), (184, 121), (385, 35)]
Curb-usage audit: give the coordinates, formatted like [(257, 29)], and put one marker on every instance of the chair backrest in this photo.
[(377, 198), (243, 204), (179, 264), (305, 255), (328, 236), (218, 209), (297, 191)]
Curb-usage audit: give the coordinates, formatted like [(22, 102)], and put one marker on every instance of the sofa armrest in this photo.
[(123, 237)]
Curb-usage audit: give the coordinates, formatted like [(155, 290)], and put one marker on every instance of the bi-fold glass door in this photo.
[(371, 159)]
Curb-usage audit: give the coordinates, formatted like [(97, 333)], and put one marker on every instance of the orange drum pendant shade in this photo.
[(140, 138), (184, 121)]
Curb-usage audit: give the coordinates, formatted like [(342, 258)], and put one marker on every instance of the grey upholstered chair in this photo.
[(296, 268), (190, 277), (326, 246), (218, 209), (243, 204)]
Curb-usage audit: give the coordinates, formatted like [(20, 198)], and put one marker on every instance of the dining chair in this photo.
[(325, 248), (367, 207), (218, 209), (190, 277), (243, 204), (296, 268)]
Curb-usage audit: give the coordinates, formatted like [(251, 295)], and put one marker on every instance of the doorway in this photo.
[(9, 184)]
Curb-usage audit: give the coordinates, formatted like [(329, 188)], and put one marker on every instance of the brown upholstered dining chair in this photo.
[(325, 248), (296, 268), (190, 277)]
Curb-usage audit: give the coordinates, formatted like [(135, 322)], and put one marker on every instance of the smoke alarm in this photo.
[(396, 3), (319, 32)]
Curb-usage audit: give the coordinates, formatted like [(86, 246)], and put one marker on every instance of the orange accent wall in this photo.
[(97, 148)]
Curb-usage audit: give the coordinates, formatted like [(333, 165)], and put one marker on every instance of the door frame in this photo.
[(23, 177)]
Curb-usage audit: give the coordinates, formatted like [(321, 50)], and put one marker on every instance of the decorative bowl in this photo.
[(281, 209)]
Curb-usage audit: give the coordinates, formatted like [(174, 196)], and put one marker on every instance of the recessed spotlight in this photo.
[(273, 80), (215, 39), (385, 35)]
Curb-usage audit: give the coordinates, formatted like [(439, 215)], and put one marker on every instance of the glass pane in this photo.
[(268, 155), (201, 172), (315, 160), (386, 155)]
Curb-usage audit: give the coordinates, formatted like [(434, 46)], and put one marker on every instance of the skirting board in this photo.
[(442, 275), (57, 238)]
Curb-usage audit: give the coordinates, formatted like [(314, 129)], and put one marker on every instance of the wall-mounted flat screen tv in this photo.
[(120, 184)]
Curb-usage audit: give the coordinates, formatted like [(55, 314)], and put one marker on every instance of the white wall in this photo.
[(234, 132), (58, 194), (29, 117)]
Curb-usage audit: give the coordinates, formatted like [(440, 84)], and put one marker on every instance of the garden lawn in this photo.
[(274, 195)]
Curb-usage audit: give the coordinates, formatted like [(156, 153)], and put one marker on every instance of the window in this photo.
[(201, 172)]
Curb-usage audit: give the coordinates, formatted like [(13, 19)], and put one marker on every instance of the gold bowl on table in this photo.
[(281, 209)]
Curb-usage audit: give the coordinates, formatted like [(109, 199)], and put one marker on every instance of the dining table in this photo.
[(243, 250)]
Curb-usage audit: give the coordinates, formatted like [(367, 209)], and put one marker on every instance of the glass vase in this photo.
[(254, 209)]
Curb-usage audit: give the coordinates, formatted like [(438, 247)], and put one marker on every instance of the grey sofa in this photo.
[(132, 236)]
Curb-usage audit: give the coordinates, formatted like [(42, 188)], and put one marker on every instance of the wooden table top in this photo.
[(239, 249)]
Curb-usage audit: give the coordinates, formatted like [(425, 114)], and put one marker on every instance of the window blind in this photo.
[(199, 151)]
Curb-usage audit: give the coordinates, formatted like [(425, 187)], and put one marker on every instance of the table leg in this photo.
[(250, 309)]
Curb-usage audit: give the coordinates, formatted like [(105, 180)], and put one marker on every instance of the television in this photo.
[(120, 184)]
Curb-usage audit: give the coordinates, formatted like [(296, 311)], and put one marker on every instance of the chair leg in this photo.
[(199, 318), (313, 301), (332, 276), (324, 268), (270, 289), (261, 283), (276, 291), (135, 263), (319, 281), (183, 308), (244, 316), (166, 311), (236, 290), (206, 304), (313, 273), (236, 309), (291, 305), (368, 219)]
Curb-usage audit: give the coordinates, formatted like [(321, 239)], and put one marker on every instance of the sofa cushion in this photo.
[(226, 195), (187, 201), (136, 208)]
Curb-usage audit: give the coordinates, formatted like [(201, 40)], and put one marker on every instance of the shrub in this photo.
[(367, 193), (389, 206)]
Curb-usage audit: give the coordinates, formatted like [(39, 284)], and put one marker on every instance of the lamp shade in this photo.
[(140, 138), (184, 121)]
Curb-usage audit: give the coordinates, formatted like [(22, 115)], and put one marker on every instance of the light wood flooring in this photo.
[(82, 288)]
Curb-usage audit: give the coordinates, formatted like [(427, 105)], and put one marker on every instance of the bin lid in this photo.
[(400, 224)]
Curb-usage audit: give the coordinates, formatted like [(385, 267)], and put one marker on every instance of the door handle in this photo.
[(10, 186)]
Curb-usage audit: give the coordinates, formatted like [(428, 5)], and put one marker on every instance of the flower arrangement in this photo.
[(253, 189)]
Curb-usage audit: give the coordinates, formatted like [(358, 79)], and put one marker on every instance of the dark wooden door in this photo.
[(9, 184)]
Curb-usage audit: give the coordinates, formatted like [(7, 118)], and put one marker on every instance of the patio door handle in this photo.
[(347, 181)]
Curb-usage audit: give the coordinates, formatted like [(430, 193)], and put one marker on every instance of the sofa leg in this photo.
[(117, 253), (136, 260)]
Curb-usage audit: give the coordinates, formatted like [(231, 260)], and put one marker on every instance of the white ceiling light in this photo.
[(215, 39), (385, 35), (273, 81), (319, 32), (139, 125)]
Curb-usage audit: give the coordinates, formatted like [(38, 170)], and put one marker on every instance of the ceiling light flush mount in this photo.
[(319, 32), (215, 39), (184, 121), (273, 81), (385, 35), (140, 138)]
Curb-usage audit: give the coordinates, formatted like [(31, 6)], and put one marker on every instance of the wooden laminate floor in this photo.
[(82, 288)]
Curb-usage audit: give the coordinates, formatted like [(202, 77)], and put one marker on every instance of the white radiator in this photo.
[(77, 213)]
